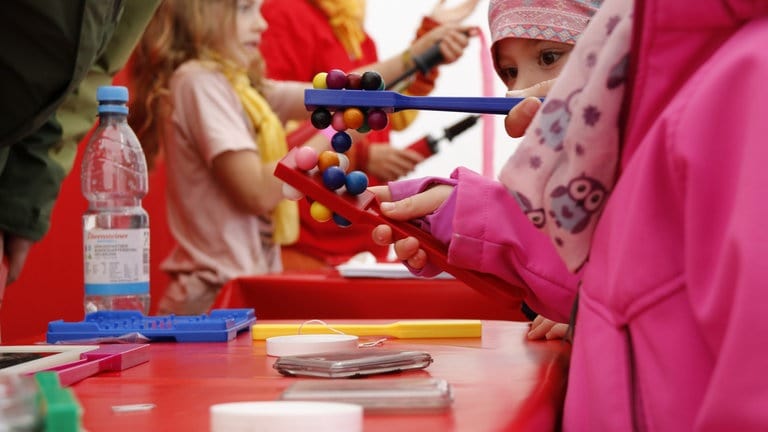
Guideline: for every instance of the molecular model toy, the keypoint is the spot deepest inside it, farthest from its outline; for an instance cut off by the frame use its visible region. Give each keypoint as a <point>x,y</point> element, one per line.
<point>333,165</point>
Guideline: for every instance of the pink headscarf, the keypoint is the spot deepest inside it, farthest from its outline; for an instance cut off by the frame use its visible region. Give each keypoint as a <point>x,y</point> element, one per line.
<point>553,20</point>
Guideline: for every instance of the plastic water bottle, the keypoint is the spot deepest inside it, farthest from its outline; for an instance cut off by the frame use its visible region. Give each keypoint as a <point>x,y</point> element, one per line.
<point>115,227</point>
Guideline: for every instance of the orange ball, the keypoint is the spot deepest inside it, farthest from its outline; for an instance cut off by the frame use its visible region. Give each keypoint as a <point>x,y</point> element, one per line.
<point>320,212</point>
<point>353,118</point>
<point>327,159</point>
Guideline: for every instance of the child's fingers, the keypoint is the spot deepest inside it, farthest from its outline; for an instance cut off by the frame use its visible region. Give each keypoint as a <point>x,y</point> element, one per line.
<point>381,192</point>
<point>520,116</point>
<point>407,249</point>
<point>382,235</point>
<point>558,331</point>
<point>418,205</point>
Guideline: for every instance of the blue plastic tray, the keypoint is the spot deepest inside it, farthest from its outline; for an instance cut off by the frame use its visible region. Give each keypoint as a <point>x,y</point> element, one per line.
<point>220,325</point>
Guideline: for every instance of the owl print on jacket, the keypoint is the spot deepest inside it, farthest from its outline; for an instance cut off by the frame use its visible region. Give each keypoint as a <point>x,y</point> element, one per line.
<point>536,215</point>
<point>553,122</point>
<point>573,204</point>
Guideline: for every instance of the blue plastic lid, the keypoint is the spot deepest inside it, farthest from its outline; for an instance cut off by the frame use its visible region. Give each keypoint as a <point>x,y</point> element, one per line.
<point>112,99</point>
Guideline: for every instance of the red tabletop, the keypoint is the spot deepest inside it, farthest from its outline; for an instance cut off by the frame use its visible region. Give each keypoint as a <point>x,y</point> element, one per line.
<point>329,295</point>
<point>500,382</point>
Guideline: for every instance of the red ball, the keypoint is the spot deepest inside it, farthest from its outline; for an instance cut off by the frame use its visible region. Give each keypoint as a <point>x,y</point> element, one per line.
<point>377,119</point>
<point>354,81</point>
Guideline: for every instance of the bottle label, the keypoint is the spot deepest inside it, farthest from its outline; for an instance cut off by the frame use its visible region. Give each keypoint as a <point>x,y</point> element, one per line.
<point>116,261</point>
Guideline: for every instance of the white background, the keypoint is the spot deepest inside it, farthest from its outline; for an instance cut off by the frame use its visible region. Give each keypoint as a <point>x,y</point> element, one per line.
<point>392,24</point>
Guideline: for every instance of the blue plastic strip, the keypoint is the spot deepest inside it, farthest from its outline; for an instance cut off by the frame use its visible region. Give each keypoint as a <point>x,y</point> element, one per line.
<point>220,325</point>
<point>133,288</point>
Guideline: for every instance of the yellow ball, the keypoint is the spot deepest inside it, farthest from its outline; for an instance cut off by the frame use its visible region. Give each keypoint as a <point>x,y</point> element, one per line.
<point>320,212</point>
<point>318,81</point>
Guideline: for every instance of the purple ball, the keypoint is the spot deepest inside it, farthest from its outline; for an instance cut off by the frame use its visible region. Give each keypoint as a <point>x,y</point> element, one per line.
<point>340,221</point>
<point>356,182</point>
<point>377,119</point>
<point>341,142</point>
<point>336,79</point>
<point>334,177</point>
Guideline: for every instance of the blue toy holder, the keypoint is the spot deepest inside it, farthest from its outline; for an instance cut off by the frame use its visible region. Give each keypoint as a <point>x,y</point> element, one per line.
<point>220,325</point>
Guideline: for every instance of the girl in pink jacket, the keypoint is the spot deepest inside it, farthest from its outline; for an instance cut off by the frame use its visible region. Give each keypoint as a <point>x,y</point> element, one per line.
<point>646,169</point>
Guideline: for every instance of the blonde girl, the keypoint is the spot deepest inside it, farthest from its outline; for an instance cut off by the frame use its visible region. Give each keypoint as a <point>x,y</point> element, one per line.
<point>199,95</point>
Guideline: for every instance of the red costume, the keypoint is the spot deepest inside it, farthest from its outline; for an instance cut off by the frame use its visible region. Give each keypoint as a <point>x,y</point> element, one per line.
<point>298,44</point>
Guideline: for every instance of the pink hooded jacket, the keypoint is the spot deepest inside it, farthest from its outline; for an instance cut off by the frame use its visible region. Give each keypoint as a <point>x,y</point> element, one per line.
<point>671,323</point>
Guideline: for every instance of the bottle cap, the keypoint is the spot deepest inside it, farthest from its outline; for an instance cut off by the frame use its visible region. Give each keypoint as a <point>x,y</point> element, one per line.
<point>112,94</point>
<point>112,99</point>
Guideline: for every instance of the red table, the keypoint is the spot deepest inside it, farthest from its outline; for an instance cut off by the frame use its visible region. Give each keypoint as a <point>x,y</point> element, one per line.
<point>329,295</point>
<point>500,382</point>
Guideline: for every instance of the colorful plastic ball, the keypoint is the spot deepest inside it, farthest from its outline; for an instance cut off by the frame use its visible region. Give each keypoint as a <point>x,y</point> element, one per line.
<point>343,162</point>
<point>337,121</point>
<point>327,159</point>
<point>334,177</point>
<point>336,79</point>
<point>356,182</point>
<point>306,158</point>
<point>371,80</point>
<point>319,80</point>
<point>341,142</point>
<point>321,118</point>
<point>353,118</point>
<point>377,119</point>
<point>291,193</point>
<point>354,81</point>
<point>364,128</point>
<point>340,221</point>
<point>320,212</point>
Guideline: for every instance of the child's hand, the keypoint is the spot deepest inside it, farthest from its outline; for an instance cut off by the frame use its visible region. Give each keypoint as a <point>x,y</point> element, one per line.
<point>446,15</point>
<point>453,41</point>
<point>521,115</point>
<point>389,163</point>
<point>413,207</point>
<point>547,329</point>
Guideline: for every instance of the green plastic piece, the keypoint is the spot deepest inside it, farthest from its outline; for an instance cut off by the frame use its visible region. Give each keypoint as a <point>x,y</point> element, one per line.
<point>61,411</point>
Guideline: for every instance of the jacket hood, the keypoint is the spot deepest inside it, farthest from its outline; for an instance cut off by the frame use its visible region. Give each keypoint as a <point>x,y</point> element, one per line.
<point>671,39</point>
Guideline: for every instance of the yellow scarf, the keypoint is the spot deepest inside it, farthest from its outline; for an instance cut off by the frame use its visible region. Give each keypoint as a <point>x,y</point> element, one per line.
<point>346,19</point>
<point>271,143</point>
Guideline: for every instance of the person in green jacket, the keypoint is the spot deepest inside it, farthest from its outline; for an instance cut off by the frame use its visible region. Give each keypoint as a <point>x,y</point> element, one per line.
<point>53,56</point>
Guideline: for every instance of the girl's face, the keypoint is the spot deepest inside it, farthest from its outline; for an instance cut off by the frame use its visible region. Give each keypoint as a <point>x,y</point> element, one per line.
<point>250,25</point>
<point>523,63</point>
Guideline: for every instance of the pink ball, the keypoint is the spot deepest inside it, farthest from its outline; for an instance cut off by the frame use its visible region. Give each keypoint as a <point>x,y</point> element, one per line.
<point>337,121</point>
<point>306,158</point>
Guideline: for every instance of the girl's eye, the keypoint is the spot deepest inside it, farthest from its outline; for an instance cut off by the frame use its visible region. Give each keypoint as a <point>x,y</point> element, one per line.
<point>510,72</point>
<point>548,58</point>
<point>244,6</point>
